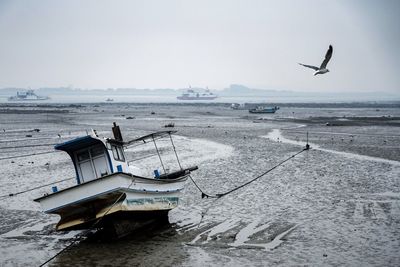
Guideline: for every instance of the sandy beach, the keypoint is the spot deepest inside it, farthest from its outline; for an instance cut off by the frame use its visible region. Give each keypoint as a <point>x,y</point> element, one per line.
<point>335,204</point>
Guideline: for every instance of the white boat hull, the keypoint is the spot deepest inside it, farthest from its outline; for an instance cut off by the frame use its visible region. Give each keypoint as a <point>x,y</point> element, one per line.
<point>118,194</point>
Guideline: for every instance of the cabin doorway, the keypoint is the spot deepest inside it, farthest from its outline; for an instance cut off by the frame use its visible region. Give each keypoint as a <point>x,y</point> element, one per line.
<point>92,163</point>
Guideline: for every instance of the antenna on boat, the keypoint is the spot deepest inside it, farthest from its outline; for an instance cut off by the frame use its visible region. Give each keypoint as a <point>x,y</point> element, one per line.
<point>117,132</point>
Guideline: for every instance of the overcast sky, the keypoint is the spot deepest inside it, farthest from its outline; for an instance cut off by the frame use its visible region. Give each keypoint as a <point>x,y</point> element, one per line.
<point>171,44</point>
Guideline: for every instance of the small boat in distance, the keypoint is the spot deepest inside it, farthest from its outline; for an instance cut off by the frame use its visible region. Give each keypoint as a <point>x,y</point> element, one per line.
<point>191,94</point>
<point>237,106</point>
<point>28,95</point>
<point>109,100</point>
<point>111,193</point>
<point>261,109</point>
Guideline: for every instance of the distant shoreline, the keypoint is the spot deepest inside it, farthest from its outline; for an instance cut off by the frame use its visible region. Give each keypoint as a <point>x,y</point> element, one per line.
<point>366,104</point>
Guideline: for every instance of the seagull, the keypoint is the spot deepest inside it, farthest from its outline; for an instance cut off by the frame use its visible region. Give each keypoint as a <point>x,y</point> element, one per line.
<point>322,69</point>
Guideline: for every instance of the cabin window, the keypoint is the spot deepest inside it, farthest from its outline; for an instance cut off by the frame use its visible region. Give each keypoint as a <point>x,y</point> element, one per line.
<point>92,163</point>
<point>83,155</point>
<point>118,153</point>
<point>96,151</point>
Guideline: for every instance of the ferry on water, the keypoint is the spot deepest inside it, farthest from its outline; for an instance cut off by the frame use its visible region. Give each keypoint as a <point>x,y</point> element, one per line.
<point>191,94</point>
<point>28,95</point>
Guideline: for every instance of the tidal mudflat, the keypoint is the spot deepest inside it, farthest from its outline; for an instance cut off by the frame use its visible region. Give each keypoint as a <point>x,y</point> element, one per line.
<point>336,204</point>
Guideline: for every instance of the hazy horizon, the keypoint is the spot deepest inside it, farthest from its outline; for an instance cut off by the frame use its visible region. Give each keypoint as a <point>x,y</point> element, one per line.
<point>225,89</point>
<point>174,44</point>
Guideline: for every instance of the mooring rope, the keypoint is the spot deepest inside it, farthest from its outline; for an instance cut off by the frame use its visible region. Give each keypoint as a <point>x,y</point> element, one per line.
<point>29,155</point>
<point>218,196</point>
<point>203,194</point>
<point>34,188</point>
<point>26,146</point>
<point>80,236</point>
<point>141,158</point>
<point>158,153</point>
<point>133,145</point>
<point>176,155</point>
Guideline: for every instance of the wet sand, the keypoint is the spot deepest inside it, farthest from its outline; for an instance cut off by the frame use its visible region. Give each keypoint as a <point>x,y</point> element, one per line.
<point>336,204</point>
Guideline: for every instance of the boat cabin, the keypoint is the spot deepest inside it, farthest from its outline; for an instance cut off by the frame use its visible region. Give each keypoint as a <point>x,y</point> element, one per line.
<point>94,157</point>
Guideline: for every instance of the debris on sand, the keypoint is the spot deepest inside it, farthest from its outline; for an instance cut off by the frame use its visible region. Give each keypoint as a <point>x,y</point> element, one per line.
<point>169,125</point>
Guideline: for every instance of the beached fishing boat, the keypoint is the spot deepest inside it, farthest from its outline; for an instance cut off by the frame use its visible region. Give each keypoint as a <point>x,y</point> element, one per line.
<point>108,190</point>
<point>261,109</point>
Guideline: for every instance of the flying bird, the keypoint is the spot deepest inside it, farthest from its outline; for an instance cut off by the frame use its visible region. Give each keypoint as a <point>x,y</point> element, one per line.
<point>322,69</point>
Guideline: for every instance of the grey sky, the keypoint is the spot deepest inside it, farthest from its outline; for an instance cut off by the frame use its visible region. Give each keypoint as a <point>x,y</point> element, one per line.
<point>171,44</point>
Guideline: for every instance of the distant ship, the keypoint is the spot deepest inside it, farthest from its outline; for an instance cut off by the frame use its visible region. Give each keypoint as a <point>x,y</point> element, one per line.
<point>261,109</point>
<point>109,100</point>
<point>190,94</point>
<point>237,106</point>
<point>27,96</point>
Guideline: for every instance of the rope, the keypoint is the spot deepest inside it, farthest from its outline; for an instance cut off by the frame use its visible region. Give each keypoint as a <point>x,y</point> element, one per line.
<point>140,144</point>
<point>24,146</point>
<point>203,194</point>
<point>37,138</point>
<point>218,196</point>
<point>28,155</point>
<point>144,157</point>
<point>176,155</point>
<point>155,154</point>
<point>77,238</point>
<point>37,187</point>
<point>159,156</point>
<point>82,235</point>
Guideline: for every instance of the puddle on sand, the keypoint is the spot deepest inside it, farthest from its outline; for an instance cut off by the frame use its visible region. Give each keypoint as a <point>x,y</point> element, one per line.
<point>276,135</point>
<point>253,235</point>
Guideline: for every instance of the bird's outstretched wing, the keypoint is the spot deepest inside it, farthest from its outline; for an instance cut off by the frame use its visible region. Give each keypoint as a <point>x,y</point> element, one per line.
<point>309,66</point>
<point>327,57</point>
